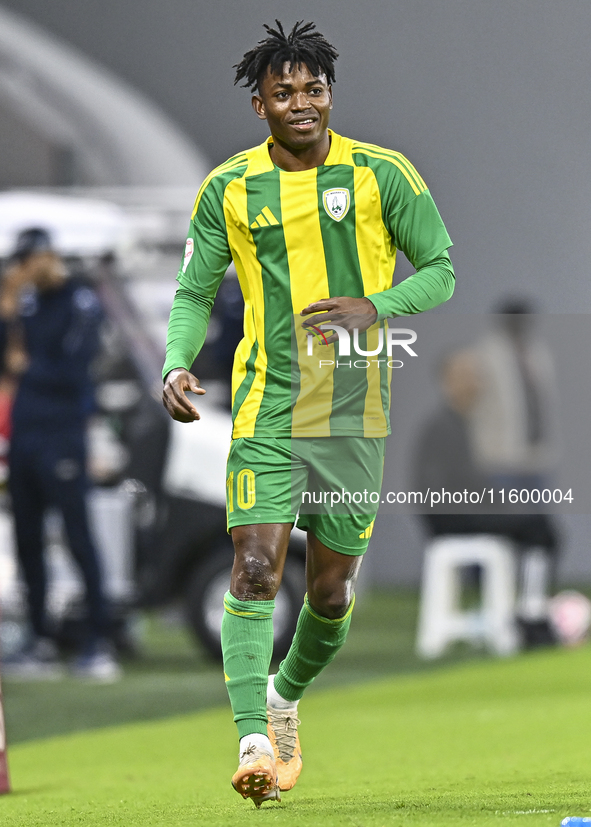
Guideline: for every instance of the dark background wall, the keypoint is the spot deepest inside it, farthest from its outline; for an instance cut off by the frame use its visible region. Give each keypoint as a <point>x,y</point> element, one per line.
<point>490,101</point>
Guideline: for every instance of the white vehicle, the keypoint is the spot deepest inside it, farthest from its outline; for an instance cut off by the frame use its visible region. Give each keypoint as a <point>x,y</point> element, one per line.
<point>159,510</point>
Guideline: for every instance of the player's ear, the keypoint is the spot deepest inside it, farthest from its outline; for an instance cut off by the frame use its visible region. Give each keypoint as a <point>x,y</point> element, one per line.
<point>259,107</point>
<point>330,95</point>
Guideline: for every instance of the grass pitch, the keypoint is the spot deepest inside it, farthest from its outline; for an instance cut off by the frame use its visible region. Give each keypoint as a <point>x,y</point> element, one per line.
<point>487,743</point>
<point>174,676</point>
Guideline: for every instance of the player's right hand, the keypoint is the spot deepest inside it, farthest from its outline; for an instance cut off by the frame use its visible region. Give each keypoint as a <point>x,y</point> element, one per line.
<point>174,398</point>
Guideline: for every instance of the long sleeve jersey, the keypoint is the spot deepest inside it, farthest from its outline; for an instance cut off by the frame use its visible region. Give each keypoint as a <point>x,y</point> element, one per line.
<point>295,238</point>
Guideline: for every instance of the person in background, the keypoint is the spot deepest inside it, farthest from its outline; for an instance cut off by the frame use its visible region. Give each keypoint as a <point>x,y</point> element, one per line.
<point>445,459</point>
<point>7,391</point>
<point>443,455</point>
<point>51,322</point>
<point>514,420</point>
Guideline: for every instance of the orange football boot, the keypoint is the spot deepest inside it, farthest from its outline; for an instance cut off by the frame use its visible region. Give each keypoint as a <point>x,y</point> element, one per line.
<point>282,730</point>
<point>256,777</point>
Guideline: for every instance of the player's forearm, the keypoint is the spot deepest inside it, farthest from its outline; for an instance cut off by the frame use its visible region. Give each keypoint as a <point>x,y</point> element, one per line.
<point>430,286</point>
<point>186,328</point>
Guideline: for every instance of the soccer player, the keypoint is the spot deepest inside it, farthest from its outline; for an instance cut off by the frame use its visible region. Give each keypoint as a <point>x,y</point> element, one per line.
<point>312,221</point>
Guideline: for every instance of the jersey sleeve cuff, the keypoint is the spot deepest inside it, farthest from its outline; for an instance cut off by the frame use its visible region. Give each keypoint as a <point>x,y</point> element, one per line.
<point>378,302</point>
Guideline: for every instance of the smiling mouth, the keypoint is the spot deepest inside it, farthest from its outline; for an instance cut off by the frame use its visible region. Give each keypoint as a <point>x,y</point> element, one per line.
<point>303,125</point>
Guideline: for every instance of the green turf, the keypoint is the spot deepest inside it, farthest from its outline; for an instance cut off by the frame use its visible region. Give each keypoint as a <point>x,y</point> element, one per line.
<point>485,743</point>
<point>173,675</point>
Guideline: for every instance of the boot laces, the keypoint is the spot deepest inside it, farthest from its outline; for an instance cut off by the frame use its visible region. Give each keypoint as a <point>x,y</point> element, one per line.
<point>285,726</point>
<point>249,752</point>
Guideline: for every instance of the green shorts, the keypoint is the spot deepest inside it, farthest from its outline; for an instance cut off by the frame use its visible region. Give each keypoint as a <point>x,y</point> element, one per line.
<point>331,485</point>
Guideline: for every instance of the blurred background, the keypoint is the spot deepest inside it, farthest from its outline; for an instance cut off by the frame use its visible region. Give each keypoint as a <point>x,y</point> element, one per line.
<point>111,115</point>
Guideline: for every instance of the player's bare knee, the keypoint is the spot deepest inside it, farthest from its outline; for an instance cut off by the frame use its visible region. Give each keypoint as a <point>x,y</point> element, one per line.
<point>329,600</point>
<point>254,578</point>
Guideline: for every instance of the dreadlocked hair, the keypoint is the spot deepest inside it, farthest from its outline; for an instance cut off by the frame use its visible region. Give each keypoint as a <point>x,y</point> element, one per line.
<point>302,45</point>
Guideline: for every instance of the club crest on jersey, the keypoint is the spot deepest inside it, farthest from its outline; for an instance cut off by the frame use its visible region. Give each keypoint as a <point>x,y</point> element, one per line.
<point>336,203</point>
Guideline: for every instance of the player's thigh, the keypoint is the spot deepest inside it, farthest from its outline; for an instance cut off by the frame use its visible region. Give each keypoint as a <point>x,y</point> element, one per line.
<point>345,534</point>
<point>346,475</point>
<point>262,482</point>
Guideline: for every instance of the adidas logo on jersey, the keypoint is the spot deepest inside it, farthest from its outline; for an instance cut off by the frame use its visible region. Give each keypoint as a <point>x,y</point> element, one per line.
<point>264,219</point>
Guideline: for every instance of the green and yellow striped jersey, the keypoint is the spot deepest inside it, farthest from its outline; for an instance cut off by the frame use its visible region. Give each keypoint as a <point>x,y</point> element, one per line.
<point>295,238</point>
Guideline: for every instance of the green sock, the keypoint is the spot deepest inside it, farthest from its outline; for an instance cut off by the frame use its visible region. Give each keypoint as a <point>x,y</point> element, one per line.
<point>247,646</point>
<point>315,643</point>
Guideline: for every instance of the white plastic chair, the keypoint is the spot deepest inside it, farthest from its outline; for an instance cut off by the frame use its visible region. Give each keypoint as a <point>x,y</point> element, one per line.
<point>441,619</point>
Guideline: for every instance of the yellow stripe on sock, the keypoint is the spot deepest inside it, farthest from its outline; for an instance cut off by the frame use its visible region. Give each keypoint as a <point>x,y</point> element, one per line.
<point>328,619</point>
<point>238,613</point>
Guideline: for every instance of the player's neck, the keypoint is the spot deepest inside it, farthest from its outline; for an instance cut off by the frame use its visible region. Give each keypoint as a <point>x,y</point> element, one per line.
<point>295,160</point>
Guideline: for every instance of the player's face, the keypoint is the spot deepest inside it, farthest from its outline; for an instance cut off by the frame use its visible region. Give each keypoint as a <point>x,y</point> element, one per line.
<point>296,105</point>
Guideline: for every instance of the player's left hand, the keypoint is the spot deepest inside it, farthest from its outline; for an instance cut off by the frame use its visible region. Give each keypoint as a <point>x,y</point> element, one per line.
<point>343,311</point>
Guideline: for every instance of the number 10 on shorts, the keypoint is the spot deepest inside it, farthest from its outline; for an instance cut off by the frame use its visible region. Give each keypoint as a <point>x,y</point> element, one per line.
<point>245,490</point>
